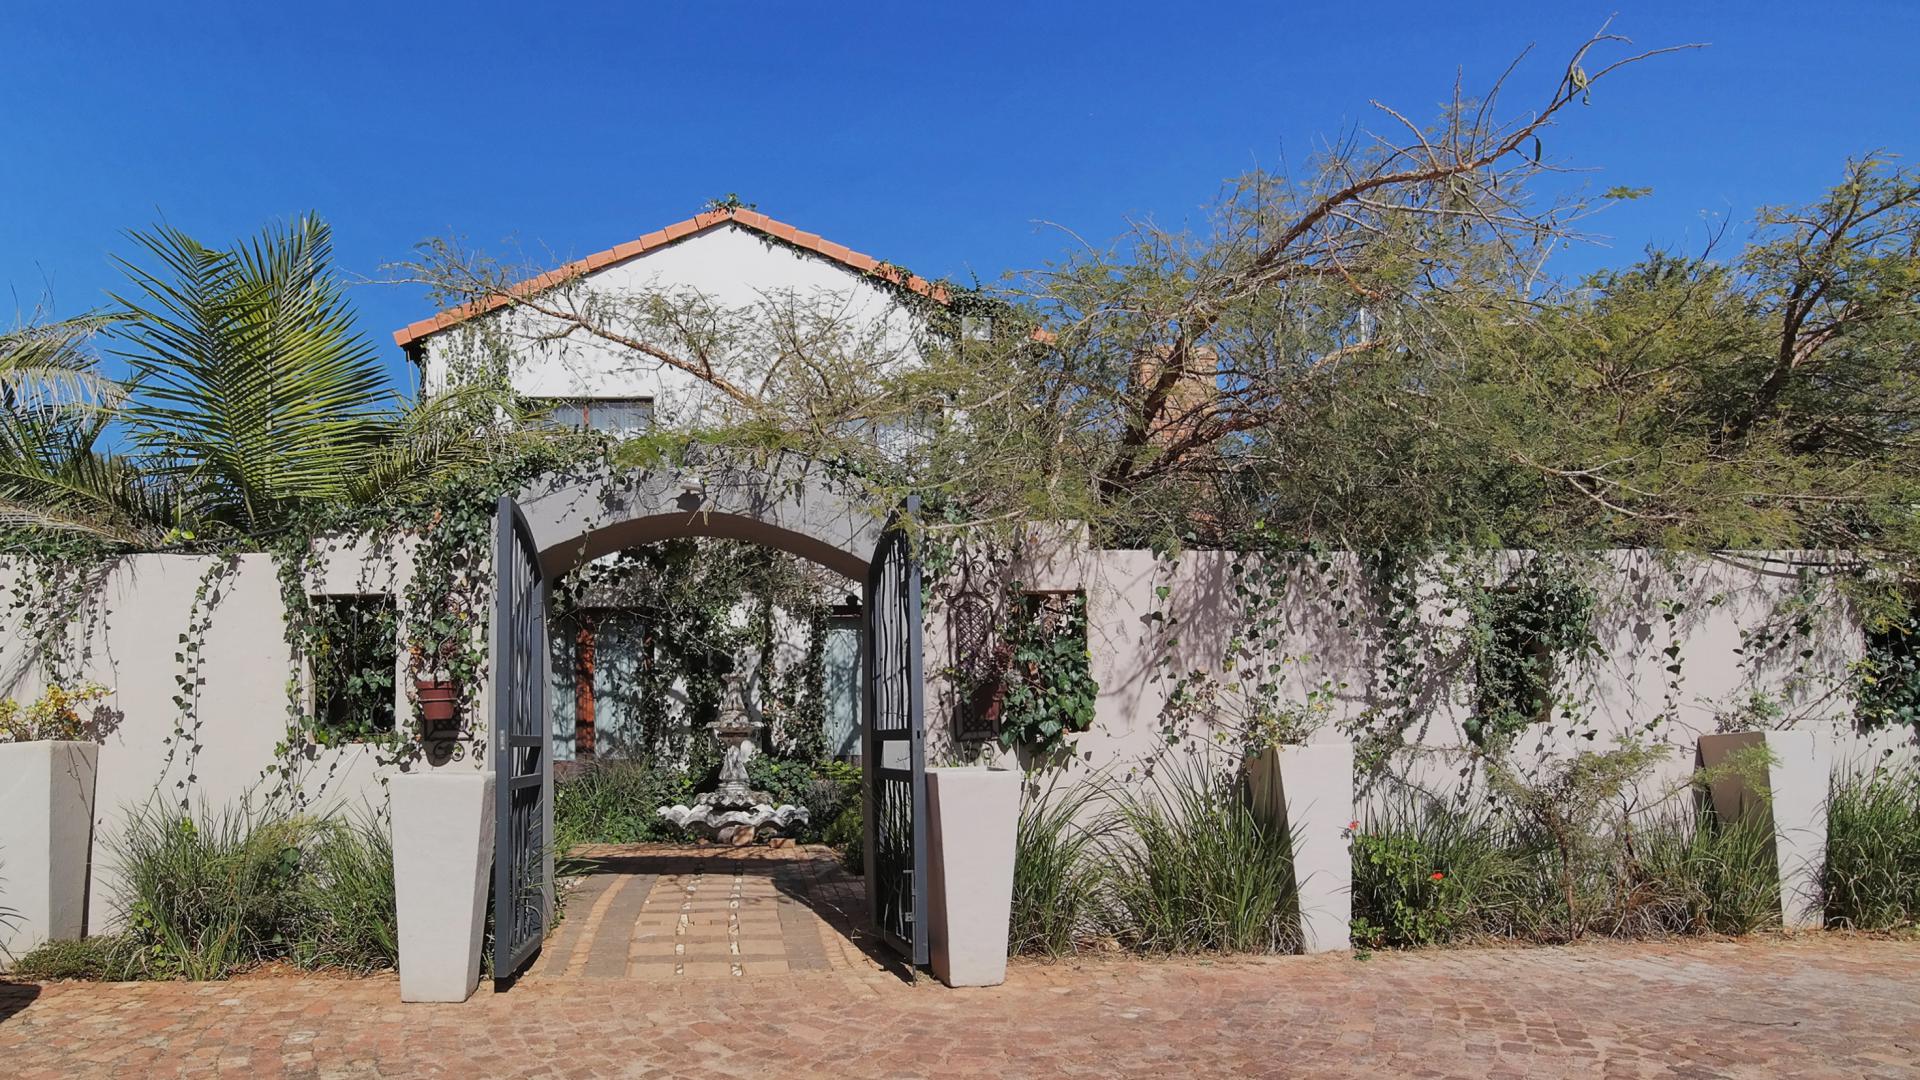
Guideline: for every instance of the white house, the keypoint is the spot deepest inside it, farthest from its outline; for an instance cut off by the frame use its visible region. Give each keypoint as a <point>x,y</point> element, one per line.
<point>733,270</point>
<point>608,342</point>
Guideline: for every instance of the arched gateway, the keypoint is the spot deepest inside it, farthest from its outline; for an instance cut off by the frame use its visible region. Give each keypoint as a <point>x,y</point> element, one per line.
<point>563,521</point>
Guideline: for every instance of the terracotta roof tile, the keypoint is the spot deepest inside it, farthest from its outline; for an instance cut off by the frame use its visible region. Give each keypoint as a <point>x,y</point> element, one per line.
<point>751,219</point>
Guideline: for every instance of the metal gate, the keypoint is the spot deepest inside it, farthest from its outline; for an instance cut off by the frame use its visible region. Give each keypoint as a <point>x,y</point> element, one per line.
<point>895,743</point>
<point>521,769</point>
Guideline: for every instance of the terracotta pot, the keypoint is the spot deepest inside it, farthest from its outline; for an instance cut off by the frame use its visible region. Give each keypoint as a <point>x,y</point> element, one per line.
<point>439,701</point>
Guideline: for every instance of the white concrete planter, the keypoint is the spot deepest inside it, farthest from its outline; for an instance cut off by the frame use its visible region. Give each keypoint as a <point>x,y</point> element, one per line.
<point>1309,790</point>
<point>46,835</point>
<point>973,815</point>
<point>442,856</point>
<point>1794,804</point>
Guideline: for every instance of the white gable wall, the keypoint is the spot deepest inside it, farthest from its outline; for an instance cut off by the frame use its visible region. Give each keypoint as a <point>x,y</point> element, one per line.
<point>728,264</point>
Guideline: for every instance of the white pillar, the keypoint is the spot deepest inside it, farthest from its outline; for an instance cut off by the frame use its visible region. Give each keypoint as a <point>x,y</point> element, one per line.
<point>1309,790</point>
<point>1798,772</point>
<point>442,858</point>
<point>46,836</point>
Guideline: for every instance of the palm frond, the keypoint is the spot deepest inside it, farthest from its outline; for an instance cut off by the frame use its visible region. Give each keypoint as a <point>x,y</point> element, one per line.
<point>461,426</point>
<point>251,389</point>
<point>46,367</point>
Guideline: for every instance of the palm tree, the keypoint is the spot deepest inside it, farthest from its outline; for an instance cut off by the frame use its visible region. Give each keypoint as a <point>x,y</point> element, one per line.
<point>250,400</point>
<point>54,408</point>
<point>250,393</point>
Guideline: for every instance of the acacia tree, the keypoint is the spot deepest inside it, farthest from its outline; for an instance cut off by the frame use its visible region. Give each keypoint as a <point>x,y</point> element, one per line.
<point>1158,362</point>
<point>1371,351</point>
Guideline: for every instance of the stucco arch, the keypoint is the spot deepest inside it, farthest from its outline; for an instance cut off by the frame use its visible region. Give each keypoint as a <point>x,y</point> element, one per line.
<point>790,503</point>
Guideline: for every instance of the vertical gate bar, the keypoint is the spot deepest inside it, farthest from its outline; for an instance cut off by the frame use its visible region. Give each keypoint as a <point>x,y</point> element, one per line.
<point>539,723</point>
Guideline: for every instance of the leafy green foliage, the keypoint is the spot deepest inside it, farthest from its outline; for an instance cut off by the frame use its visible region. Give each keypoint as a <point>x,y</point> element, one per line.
<point>1872,879</point>
<point>251,393</point>
<point>1194,869</point>
<point>1051,692</point>
<point>1059,881</point>
<point>354,654</point>
<point>826,789</point>
<point>846,834</point>
<point>1426,874</point>
<point>673,610</point>
<point>1887,678</point>
<point>212,893</point>
<point>347,918</point>
<point>1524,632</point>
<point>55,714</point>
<point>101,957</point>
<point>615,802</point>
<point>1691,872</point>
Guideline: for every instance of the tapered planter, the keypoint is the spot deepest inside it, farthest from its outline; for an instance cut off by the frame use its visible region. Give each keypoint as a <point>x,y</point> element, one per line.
<point>46,836</point>
<point>972,817</point>
<point>442,853</point>
<point>1788,791</point>
<point>1308,790</point>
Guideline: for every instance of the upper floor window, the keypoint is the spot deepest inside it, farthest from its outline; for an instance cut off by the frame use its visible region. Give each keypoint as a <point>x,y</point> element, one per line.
<point>618,417</point>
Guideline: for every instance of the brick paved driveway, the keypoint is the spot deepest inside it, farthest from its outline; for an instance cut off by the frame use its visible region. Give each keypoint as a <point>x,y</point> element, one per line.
<point>1824,1007</point>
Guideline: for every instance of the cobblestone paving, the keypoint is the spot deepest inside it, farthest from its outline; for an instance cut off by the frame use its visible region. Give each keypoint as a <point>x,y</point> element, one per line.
<point>660,912</point>
<point>1772,1008</point>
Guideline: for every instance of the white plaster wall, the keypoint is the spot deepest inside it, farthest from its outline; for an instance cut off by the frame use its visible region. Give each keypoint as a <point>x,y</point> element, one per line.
<point>144,604</point>
<point>220,755</point>
<point>731,267</point>
<point>1141,645</point>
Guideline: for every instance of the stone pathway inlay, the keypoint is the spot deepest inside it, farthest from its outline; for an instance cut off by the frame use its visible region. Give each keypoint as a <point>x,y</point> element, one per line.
<point>663,912</point>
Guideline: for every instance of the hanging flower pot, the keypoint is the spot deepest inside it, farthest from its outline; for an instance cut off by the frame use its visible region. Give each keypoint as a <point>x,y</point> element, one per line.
<point>439,702</point>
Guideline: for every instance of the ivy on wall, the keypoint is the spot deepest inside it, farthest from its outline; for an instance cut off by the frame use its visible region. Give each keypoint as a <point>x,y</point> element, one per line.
<point>1050,689</point>
<point>1887,677</point>
<point>1523,635</point>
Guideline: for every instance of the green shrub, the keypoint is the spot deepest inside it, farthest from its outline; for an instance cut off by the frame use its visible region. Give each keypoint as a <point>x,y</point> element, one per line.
<point>825,789</point>
<point>1193,868</point>
<point>208,894</point>
<point>1059,878</point>
<point>1427,874</point>
<point>1431,873</point>
<point>847,832</point>
<point>103,958</point>
<point>617,802</point>
<point>346,903</point>
<point>1872,879</point>
<point>211,893</point>
<point>1690,872</point>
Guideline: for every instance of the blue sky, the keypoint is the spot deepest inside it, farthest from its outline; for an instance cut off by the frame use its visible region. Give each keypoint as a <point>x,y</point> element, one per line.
<point>937,137</point>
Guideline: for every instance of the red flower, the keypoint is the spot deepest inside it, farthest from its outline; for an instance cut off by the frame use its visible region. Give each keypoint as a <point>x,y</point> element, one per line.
<point>1436,876</point>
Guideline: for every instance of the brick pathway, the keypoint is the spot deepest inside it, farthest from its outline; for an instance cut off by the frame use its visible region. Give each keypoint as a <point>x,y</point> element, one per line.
<point>664,912</point>
<point>1820,1007</point>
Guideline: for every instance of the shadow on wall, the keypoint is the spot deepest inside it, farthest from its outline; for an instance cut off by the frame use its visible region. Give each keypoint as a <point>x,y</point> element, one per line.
<point>1394,654</point>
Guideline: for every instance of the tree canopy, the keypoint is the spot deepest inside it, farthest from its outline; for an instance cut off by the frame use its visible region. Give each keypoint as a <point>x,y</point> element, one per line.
<point>1374,350</point>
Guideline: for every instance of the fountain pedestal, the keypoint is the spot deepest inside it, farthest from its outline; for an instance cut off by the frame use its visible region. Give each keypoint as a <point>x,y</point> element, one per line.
<point>734,813</point>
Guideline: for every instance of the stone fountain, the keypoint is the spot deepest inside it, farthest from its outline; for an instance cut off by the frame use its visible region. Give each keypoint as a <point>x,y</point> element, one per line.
<point>734,813</point>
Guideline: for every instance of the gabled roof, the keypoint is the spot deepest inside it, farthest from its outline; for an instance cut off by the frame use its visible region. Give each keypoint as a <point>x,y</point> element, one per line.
<point>750,219</point>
